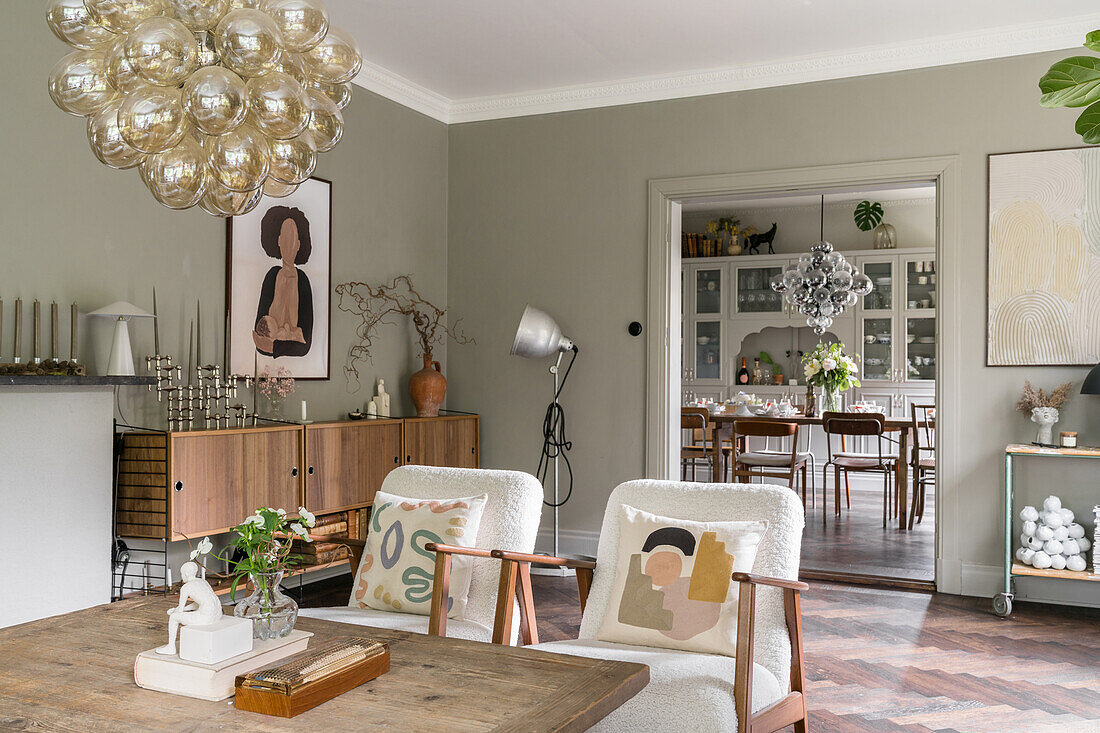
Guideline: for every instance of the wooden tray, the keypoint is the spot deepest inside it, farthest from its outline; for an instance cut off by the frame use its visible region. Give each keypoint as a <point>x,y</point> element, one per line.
<point>311,694</point>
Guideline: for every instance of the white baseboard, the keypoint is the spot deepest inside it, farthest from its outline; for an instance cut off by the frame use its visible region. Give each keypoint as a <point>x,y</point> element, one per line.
<point>570,541</point>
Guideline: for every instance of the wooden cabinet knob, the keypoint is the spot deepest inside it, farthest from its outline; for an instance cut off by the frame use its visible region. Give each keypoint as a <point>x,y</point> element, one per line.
<point>397,459</point>
<point>294,472</point>
<point>310,470</point>
<point>178,486</point>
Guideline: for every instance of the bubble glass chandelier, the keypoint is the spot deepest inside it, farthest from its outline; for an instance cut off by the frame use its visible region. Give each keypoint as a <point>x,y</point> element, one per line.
<point>822,284</point>
<point>216,103</point>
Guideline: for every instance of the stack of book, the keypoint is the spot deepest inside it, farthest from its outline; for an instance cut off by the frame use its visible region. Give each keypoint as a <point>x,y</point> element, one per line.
<point>324,549</point>
<point>699,245</point>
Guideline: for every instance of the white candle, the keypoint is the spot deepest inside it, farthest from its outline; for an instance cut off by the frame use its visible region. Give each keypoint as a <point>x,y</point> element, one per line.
<point>303,410</point>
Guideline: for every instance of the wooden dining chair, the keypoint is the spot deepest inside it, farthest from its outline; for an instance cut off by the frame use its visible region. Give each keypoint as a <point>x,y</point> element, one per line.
<point>703,445</point>
<point>923,459</point>
<point>855,425</point>
<point>768,463</point>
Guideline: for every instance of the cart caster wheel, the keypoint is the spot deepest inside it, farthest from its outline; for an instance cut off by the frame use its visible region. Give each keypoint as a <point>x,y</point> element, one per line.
<point>1002,604</point>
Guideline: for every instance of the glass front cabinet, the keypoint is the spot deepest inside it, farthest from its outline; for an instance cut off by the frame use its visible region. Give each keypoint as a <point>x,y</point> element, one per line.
<point>753,296</point>
<point>898,318</point>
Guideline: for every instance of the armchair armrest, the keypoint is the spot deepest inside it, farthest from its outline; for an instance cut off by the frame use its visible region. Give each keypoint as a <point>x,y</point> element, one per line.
<point>563,562</point>
<point>791,709</point>
<point>516,570</point>
<point>441,582</point>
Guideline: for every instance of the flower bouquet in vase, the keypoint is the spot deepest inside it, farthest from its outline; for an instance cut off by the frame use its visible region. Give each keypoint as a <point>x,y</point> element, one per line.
<point>264,552</point>
<point>276,388</point>
<point>829,368</point>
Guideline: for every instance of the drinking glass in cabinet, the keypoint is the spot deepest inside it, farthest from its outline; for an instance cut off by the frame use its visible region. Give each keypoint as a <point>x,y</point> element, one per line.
<point>708,350</point>
<point>754,293</point>
<point>920,348</point>
<point>920,284</point>
<point>708,291</point>
<point>877,348</point>
<point>882,275</point>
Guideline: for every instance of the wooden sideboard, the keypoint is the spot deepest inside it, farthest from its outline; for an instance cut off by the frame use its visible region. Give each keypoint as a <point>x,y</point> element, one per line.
<point>179,485</point>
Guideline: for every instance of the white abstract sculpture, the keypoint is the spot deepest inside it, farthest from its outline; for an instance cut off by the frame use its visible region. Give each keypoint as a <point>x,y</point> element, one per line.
<point>1044,417</point>
<point>198,606</point>
<point>382,399</point>
<point>1051,538</point>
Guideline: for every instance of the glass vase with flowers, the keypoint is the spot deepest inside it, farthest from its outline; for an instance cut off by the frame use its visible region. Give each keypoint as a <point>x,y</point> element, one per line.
<point>829,368</point>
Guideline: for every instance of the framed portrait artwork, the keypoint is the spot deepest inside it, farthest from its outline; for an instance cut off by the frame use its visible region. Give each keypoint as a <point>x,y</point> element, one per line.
<point>278,280</point>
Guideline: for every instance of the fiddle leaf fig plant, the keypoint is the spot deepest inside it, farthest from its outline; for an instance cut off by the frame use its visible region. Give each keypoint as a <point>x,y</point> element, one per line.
<point>1075,82</point>
<point>867,215</point>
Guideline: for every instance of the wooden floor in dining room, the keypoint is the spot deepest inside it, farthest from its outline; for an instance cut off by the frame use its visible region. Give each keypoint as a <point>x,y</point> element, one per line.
<point>881,660</point>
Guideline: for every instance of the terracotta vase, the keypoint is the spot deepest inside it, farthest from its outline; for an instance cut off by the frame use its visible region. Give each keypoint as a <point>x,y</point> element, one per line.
<point>427,388</point>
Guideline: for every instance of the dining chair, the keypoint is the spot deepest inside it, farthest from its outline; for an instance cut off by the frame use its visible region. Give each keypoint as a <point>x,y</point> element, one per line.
<point>510,520</point>
<point>767,463</point>
<point>858,425</point>
<point>760,689</point>
<point>705,442</point>
<point>924,466</point>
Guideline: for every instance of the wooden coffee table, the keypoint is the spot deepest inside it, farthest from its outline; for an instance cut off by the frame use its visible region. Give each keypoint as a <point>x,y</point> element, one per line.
<point>75,672</point>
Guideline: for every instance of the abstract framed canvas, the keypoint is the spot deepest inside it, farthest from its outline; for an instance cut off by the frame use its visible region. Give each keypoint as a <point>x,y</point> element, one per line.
<point>278,280</point>
<point>1044,258</point>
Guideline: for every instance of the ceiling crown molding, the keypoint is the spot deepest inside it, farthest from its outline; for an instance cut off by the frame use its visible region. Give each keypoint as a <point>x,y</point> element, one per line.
<point>953,49</point>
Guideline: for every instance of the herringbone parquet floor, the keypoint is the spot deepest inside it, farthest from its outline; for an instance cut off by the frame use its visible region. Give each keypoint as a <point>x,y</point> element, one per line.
<point>897,661</point>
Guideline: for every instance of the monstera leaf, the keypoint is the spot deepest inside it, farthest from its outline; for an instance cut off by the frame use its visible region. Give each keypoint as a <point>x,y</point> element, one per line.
<point>868,215</point>
<point>1072,82</point>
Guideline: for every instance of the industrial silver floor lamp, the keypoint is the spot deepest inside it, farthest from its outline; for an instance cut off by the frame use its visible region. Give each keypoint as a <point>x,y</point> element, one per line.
<point>538,337</point>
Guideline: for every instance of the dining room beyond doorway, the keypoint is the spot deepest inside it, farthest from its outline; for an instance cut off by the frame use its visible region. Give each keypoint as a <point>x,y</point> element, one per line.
<point>865,466</point>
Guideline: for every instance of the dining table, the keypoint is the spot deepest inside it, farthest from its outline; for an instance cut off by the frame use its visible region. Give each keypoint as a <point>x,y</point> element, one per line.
<point>723,420</point>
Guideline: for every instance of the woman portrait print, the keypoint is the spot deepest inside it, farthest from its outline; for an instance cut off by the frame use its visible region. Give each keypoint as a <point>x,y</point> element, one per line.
<point>284,318</point>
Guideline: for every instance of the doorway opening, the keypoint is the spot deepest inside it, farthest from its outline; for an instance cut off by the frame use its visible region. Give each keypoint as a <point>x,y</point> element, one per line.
<point>732,339</point>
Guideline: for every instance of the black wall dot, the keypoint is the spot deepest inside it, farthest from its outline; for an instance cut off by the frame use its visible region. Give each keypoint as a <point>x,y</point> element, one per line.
<point>634,328</point>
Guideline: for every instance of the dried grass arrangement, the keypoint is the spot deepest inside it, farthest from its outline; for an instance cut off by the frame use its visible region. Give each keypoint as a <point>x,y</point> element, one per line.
<point>1032,398</point>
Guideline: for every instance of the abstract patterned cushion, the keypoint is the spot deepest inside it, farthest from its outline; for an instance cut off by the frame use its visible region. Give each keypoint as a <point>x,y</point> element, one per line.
<point>672,585</point>
<point>396,572</point>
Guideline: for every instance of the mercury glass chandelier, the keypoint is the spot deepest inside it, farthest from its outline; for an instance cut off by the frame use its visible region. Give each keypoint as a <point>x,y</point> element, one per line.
<point>215,102</point>
<point>823,284</point>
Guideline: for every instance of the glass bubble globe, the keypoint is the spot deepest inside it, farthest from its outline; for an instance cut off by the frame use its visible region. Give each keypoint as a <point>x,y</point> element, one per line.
<point>861,284</point>
<point>778,284</point>
<point>326,123</point>
<point>248,42</point>
<point>177,177</point>
<point>78,83</point>
<point>71,22</point>
<point>106,139</point>
<point>200,15</point>
<point>335,60</point>
<point>162,51</point>
<point>302,23</point>
<point>277,190</point>
<point>151,119</point>
<point>221,201</point>
<point>841,279</point>
<point>280,106</point>
<point>215,100</point>
<point>291,65</point>
<point>292,161</point>
<point>120,16</point>
<point>120,74</point>
<point>340,94</point>
<point>816,278</point>
<point>239,159</point>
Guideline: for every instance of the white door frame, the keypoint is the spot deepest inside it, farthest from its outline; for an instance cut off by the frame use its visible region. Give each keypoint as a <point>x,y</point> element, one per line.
<point>663,365</point>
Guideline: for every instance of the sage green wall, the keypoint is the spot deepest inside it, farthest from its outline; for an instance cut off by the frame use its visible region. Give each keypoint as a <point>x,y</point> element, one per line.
<point>552,210</point>
<point>75,230</point>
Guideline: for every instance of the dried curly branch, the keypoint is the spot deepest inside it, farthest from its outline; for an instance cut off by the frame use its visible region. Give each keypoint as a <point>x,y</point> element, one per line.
<point>1032,398</point>
<point>374,305</point>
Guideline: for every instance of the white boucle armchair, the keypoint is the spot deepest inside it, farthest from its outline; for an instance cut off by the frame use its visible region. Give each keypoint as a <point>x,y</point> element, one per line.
<point>762,689</point>
<point>510,520</point>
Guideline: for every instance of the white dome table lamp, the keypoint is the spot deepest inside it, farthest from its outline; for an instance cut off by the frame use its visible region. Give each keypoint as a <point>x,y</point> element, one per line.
<point>121,363</point>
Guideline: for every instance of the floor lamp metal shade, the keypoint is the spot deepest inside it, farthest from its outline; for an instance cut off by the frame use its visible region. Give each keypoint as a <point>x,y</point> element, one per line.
<point>1091,385</point>
<point>121,363</point>
<point>539,336</point>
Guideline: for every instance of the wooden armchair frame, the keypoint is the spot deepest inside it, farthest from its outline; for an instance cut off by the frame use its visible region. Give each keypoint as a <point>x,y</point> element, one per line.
<point>515,581</point>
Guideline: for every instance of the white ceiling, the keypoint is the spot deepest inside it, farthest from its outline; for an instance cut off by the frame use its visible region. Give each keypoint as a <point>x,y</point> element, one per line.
<point>462,60</point>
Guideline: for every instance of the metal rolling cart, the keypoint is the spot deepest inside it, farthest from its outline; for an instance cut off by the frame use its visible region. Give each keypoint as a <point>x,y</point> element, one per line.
<point>1002,602</point>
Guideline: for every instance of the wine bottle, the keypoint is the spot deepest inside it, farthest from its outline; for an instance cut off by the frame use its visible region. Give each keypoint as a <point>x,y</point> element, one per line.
<point>743,373</point>
<point>757,375</point>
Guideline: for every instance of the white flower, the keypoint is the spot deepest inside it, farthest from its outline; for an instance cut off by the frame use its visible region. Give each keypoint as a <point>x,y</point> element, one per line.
<point>276,544</point>
<point>254,519</point>
<point>203,548</point>
<point>281,512</point>
<point>299,530</point>
<point>828,364</point>
<point>307,516</point>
